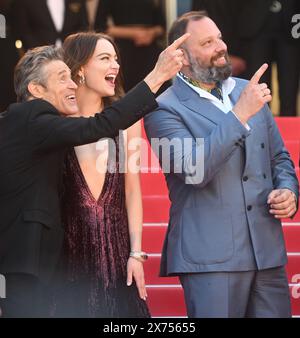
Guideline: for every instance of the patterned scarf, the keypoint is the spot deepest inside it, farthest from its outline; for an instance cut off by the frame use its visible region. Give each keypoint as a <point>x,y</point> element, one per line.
<point>216,91</point>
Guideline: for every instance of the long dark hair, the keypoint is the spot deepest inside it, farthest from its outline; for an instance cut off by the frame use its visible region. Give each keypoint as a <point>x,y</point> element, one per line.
<point>78,50</point>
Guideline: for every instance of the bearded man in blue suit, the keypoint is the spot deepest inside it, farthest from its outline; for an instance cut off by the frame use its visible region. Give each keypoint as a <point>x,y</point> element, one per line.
<point>224,239</point>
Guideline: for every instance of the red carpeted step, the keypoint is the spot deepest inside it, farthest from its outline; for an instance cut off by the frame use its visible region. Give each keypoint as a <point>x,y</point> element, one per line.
<point>153,237</point>
<point>292,238</point>
<point>151,268</point>
<point>166,302</point>
<point>289,127</point>
<point>293,268</point>
<point>156,209</point>
<point>293,148</point>
<point>153,184</point>
<point>296,219</point>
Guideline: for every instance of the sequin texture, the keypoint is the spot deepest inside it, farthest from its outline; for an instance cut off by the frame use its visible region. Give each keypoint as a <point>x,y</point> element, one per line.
<point>96,247</point>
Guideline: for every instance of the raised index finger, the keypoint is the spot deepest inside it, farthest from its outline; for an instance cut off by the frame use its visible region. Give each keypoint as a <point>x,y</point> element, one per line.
<point>256,77</point>
<point>178,42</point>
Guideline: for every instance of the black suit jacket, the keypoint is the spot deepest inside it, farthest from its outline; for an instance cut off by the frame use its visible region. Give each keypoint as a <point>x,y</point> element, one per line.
<point>253,16</point>
<point>8,59</point>
<point>33,140</point>
<point>246,19</point>
<point>33,23</point>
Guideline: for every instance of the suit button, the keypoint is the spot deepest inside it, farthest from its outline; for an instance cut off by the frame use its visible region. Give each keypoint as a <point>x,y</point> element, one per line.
<point>265,176</point>
<point>262,145</point>
<point>237,144</point>
<point>249,207</point>
<point>245,178</point>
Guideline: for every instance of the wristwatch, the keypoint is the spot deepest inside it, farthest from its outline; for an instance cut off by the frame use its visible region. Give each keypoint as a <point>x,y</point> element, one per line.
<point>141,256</point>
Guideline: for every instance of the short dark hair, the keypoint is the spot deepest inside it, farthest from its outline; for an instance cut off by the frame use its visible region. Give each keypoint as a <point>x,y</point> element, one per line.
<point>30,68</point>
<point>179,26</point>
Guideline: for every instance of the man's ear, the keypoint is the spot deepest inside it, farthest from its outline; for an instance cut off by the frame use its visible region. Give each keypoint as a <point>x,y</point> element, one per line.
<point>36,90</point>
<point>185,61</point>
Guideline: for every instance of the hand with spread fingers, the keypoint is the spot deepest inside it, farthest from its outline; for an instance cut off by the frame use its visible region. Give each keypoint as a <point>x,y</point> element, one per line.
<point>283,203</point>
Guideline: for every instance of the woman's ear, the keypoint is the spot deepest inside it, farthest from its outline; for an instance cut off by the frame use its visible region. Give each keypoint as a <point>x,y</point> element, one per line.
<point>81,72</point>
<point>36,90</point>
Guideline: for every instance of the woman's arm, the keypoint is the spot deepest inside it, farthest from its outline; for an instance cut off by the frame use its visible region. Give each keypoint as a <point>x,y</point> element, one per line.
<point>134,205</point>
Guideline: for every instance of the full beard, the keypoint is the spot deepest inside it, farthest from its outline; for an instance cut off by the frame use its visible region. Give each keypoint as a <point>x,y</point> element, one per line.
<point>211,74</point>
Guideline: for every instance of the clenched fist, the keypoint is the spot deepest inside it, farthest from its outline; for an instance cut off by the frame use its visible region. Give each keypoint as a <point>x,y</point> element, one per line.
<point>283,203</point>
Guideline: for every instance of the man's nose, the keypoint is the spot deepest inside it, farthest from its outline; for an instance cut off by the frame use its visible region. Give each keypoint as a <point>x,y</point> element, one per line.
<point>72,85</point>
<point>221,46</point>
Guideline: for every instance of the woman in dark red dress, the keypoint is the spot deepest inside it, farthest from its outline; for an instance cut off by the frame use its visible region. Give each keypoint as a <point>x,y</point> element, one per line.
<point>101,202</point>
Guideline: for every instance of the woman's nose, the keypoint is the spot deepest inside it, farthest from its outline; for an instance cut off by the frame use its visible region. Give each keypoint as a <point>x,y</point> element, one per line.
<point>115,64</point>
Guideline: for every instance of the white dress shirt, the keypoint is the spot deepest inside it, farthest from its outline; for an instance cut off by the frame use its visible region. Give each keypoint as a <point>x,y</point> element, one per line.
<point>227,87</point>
<point>57,12</point>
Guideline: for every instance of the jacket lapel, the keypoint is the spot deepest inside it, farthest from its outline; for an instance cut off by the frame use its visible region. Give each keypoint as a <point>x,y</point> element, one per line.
<point>190,99</point>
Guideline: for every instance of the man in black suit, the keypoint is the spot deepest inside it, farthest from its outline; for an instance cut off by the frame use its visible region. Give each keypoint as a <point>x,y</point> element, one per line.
<point>8,59</point>
<point>265,32</point>
<point>33,140</point>
<point>43,22</point>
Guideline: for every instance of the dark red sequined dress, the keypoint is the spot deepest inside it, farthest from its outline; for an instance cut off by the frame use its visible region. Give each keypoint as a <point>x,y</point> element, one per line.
<point>96,248</point>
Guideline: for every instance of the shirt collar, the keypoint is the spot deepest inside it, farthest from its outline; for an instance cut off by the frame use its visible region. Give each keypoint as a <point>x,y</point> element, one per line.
<point>227,87</point>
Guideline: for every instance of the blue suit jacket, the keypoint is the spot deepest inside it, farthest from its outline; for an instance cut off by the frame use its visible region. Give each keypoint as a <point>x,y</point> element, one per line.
<point>219,218</point>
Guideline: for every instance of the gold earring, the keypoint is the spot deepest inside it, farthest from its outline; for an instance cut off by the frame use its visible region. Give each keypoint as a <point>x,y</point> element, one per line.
<point>82,79</point>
